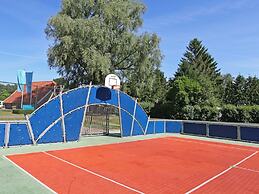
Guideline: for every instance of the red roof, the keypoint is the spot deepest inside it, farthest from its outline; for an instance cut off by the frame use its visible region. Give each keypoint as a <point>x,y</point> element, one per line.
<point>39,90</point>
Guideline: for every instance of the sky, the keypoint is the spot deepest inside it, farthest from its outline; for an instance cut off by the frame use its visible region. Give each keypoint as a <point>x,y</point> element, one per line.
<point>228,28</point>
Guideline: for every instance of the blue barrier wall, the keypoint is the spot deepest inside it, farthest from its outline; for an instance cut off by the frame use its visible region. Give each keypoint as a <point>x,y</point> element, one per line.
<point>249,133</point>
<point>2,134</point>
<point>173,126</point>
<point>223,131</point>
<point>19,135</point>
<point>159,126</point>
<point>194,128</point>
<point>151,127</point>
<point>235,131</point>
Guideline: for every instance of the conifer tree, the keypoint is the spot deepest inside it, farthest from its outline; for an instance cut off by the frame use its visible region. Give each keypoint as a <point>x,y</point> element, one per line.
<point>197,63</point>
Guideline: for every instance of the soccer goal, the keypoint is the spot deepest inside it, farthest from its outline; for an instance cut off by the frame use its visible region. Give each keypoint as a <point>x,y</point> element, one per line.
<point>101,120</point>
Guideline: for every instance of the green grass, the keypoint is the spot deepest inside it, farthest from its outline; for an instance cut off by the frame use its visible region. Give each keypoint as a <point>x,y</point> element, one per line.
<point>98,121</point>
<point>8,115</point>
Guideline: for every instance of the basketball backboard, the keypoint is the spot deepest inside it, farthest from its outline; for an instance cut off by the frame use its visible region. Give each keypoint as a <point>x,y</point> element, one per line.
<point>112,81</point>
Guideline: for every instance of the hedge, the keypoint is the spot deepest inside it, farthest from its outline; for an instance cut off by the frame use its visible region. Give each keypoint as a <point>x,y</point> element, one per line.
<point>227,113</point>
<point>19,111</point>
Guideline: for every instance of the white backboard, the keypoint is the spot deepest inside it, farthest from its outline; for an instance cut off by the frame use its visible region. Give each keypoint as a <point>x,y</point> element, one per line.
<point>112,80</point>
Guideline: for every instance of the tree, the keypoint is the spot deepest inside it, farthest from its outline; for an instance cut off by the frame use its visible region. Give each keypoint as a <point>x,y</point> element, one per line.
<point>184,92</point>
<point>227,92</point>
<point>93,38</point>
<point>239,90</point>
<point>252,90</point>
<point>150,92</point>
<point>197,63</point>
<point>6,90</point>
<point>4,94</point>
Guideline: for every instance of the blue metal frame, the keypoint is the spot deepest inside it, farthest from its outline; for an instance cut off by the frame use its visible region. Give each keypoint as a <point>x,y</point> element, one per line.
<point>61,119</point>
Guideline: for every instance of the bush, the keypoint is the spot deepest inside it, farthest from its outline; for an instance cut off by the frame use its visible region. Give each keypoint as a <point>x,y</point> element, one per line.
<point>188,113</point>
<point>210,113</point>
<point>254,114</point>
<point>229,113</point>
<point>244,114</point>
<point>163,111</point>
<point>19,111</point>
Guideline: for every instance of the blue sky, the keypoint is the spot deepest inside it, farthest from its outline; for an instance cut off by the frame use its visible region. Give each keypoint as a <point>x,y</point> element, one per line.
<point>228,28</point>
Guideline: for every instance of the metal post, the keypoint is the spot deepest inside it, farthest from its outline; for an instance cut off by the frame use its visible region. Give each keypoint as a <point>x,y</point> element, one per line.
<point>22,97</point>
<point>238,132</point>
<point>207,130</point>
<point>154,127</point>
<point>86,106</point>
<point>7,133</point>
<point>133,118</point>
<point>182,127</point>
<point>147,125</point>
<point>30,129</point>
<point>119,105</point>
<point>62,117</point>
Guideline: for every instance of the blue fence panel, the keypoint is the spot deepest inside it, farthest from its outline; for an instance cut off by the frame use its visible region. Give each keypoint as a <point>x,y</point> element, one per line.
<point>249,133</point>
<point>127,103</point>
<point>94,100</point>
<point>159,127</point>
<point>74,99</point>
<point>137,130</point>
<point>73,123</point>
<point>45,116</point>
<point>141,116</point>
<point>223,131</point>
<point>194,128</point>
<point>2,134</point>
<point>173,127</point>
<point>126,121</point>
<point>151,127</point>
<point>19,135</point>
<point>53,135</point>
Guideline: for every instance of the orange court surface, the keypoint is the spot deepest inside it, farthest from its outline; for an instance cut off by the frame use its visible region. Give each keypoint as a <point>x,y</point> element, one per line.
<point>159,165</point>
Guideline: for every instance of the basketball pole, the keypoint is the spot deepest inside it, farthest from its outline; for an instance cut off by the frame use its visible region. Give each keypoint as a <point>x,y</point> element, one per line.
<point>22,97</point>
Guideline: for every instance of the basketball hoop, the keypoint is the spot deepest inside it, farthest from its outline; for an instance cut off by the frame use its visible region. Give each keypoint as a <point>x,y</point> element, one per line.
<point>112,81</point>
<point>116,87</point>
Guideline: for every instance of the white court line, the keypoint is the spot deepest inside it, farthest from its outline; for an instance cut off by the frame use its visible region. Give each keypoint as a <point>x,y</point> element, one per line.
<point>210,143</point>
<point>247,169</point>
<point>223,172</point>
<point>29,175</point>
<point>91,172</point>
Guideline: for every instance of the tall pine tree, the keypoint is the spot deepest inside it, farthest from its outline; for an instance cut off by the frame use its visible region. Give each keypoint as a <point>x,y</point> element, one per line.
<point>198,63</point>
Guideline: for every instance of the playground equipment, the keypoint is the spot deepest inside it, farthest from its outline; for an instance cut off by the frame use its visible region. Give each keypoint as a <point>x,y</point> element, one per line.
<point>62,118</point>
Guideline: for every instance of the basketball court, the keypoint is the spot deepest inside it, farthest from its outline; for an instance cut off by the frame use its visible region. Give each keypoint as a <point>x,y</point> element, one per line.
<point>158,165</point>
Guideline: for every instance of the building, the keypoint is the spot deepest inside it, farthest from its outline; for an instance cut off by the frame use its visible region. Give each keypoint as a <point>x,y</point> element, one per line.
<point>1,104</point>
<point>42,91</point>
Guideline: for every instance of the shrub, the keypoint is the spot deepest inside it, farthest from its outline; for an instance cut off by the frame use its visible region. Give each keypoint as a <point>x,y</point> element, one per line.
<point>244,114</point>
<point>164,111</point>
<point>188,113</point>
<point>210,113</point>
<point>254,114</point>
<point>19,111</point>
<point>229,113</point>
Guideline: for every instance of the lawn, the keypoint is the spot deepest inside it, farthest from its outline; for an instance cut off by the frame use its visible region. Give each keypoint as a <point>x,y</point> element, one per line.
<point>8,115</point>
